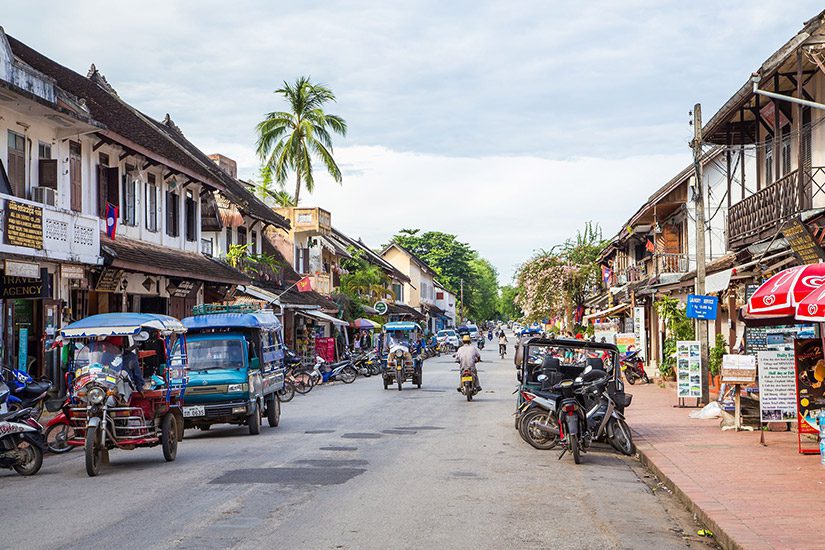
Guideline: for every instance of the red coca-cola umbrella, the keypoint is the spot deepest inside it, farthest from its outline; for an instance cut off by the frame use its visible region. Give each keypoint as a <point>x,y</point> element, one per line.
<point>780,295</point>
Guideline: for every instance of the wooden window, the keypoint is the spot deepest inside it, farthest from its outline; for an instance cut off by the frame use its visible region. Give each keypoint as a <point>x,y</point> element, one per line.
<point>242,236</point>
<point>254,240</point>
<point>151,203</point>
<point>17,164</point>
<point>75,177</point>
<point>228,239</point>
<point>768,161</point>
<point>172,214</point>
<point>108,190</point>
<point>191,227</point>
<point>44,150</point>
<point>128,210</point>
<point>785,150</point>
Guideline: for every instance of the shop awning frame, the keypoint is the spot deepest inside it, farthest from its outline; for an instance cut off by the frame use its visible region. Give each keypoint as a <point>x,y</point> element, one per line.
<point>607,312</point>
<point>324,317</point>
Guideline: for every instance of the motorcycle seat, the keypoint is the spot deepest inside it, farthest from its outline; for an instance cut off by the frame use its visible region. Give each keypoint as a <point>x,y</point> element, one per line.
<point>35,388</point>
<point>15,415</point>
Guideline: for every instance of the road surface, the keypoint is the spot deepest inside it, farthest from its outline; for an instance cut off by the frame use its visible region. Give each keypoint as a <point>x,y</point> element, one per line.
<point>352,466</point>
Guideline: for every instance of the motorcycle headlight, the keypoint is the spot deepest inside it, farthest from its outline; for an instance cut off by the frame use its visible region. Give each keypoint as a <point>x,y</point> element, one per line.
<point>96,395</point>
<point>399,353</point>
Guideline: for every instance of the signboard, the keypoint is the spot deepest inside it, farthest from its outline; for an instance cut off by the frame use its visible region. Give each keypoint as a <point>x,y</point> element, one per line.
<point>109,280</point>
<point>381,307</point>
<point>24,225</point>
<point>625,340</point>
<point>25,287</point>
<point>738,369</point>
<point>688,369</point>
<point>701,307</point>
<point>802,242</point>
<point>72,271</point>
<point>777,386</point>
<point>23,349</point>
<point>810,384</point>
<point>181,288</point>
<point>639,328</point>
<point>14,268</point>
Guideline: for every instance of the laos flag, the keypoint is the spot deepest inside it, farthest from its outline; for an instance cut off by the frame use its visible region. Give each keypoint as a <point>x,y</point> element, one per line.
<point>111,220</point>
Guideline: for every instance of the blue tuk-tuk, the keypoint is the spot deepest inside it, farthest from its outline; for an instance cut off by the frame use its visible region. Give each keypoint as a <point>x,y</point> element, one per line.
<point>402,340</point>
<point>236,359</point>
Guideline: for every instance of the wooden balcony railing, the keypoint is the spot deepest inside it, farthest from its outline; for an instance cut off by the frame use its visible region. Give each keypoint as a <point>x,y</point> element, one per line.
<point>672,262</point>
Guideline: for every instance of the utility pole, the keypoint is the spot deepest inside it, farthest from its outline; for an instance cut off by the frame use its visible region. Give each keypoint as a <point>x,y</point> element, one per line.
<point>701,325</point>
<point>461,304</point>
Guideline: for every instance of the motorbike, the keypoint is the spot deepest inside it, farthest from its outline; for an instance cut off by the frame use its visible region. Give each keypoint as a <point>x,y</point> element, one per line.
<point>26,392</point>
<point>481,342</point>
<point>585,412</point>
<point>367,364</point>
<point>21,438</point>
<point>490,335</point>
<point>468,384</point>
<point>342,370</point>
<point>633,367</point>
<point>59,430</point>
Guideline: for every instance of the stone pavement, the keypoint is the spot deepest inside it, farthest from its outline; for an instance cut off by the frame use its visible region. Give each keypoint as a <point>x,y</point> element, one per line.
<point>749,495</point>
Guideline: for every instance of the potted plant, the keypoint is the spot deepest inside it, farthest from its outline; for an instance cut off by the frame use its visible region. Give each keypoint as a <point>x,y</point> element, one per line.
<point>719,349</point>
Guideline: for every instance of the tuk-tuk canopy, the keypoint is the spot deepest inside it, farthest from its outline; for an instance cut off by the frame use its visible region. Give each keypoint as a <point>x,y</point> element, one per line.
<point>121,324</point>
<point>401,325</point>
<point>262,320</point>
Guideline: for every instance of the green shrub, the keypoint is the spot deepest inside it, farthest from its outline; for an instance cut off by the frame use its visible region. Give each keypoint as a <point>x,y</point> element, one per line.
<point>719,349</point>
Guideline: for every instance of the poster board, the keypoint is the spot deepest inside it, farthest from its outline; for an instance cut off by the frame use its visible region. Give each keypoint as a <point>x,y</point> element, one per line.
<point>738,369</point>
<point>810,384</point>
<point>777,386</point>
<point>624,340</point>
<point>688,369</point>
<point>639,327</point>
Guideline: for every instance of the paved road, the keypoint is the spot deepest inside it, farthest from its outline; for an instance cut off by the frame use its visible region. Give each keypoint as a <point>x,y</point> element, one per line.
<point>350,467</point>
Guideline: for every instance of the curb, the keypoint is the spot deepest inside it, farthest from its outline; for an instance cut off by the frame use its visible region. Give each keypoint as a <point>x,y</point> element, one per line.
<point>720,535</point>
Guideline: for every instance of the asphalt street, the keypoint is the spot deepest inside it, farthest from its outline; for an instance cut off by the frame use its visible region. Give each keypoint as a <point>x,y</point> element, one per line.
<point>352,466</point>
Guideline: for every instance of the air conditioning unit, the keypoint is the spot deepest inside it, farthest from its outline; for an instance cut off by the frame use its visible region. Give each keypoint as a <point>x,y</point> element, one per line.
<point>44,195</point>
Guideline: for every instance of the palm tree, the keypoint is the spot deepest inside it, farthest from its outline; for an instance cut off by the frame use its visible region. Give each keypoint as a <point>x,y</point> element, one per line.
<point>289,141</point>
<point>273,197</point>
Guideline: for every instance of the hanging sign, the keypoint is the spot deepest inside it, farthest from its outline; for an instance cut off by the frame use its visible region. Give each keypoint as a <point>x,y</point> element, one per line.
<point>802,242</point>
<point>181,288</point>
<point>381,307</point>
<point>777,386</point>
<point>810,384</point>
<point>688,369</point>
<point>13,268</point>
<point>109,280</point>
<point>24,225</point>
<point>701,307</point>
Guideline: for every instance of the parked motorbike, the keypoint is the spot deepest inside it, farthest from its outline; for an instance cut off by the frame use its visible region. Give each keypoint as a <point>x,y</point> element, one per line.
<point>21,438</point>
<point>633,367</point>
<point>59,430</point>
<point>26,392</point>
<point>342,370</point>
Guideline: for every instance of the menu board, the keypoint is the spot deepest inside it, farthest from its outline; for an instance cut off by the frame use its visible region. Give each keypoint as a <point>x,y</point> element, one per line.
<point>810,384</point>
<point>777,386</point>
<point>688,369</point>
<point>802,242</point>
<point>24,225</point>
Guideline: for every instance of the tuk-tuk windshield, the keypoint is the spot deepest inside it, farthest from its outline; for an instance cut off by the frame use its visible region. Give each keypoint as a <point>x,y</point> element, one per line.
<point>101,354</point>
<point>401,338</point>
<point>215,353</point>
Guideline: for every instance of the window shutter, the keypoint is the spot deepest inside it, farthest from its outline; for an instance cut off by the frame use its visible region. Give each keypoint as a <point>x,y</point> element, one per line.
<point>47,168</point>
<point>102,189</point>
<point>112,186</point>
<point>169,216</point>
<point>305,260</point>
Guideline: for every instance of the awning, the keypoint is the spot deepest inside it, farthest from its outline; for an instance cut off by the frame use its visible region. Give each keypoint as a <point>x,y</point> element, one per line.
<point>324,317</point>
<point>334,245</point>
<point>259,293</point>
<point>717,282</point>
<point>607,312</point>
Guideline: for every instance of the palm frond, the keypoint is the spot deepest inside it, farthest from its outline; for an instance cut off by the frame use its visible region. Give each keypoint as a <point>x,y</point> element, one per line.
<point>326,157</point>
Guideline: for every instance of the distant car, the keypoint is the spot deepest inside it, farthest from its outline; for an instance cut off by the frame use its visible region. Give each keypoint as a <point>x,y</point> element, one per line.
<point>473,331</point>
<point>448,337</point>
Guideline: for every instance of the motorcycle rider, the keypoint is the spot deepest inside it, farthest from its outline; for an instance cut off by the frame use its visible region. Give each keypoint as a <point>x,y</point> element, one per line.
<point>467,356</point>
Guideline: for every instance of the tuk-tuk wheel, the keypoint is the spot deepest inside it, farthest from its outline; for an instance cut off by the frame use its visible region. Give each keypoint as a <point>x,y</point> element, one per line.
<point>169,436</point>
<point>94,452</point>
<point>254,420</point>
<point>273,411</point>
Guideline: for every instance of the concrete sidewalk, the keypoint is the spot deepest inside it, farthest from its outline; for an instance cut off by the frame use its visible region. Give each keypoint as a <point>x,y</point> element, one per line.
<point>749,495</point>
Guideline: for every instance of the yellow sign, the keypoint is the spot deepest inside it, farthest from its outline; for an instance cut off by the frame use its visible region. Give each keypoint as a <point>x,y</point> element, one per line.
<point>24,225</point>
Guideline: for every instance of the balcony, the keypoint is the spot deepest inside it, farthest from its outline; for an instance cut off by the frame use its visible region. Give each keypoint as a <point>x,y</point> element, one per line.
<point>758,216</point>
<point>321,283</point>
<point>42,231</point>
<point>671,262</point>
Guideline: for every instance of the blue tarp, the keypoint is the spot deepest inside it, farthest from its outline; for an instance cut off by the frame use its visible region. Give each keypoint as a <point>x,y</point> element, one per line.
<point>262,321</point>
<point>120,324</point>
<point>401,325</point>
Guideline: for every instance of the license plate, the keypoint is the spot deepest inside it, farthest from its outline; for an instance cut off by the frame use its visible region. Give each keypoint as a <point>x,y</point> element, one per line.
<point>398,367</point>
<point>466,378</point>
<point>189,412</point>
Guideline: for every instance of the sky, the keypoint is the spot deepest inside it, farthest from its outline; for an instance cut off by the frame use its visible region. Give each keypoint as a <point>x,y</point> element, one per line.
<point>510,124</point>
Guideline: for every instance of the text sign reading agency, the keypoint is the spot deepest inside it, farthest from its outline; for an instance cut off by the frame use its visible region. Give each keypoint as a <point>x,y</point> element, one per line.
<point>701,307</point>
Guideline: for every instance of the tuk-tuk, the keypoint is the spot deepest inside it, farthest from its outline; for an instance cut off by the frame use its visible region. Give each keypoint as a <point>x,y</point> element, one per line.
<point>237,367</point>
<point>127,380</point>
<point>402,340</point>
<point>561,359</point>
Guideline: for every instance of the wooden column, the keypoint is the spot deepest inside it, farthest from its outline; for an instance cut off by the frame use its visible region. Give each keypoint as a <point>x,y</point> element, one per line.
<point>777,135</point>
<point>759,161</point>
<point>797,119</point>
<point>732,316</point>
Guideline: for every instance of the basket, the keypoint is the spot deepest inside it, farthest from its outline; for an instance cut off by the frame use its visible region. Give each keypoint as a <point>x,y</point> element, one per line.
<point>622,399</point>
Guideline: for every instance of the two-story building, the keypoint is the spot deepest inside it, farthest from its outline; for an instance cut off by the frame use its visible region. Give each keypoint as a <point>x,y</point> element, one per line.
<point>419,292</point>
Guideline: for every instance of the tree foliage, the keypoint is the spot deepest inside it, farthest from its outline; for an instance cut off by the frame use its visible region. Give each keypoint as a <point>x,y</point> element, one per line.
<point>454,261</point>
<point>552,284</point>
<point>289,141</point>
<point>507,307</point>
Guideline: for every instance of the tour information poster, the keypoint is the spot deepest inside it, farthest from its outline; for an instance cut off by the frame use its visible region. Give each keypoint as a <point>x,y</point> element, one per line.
<point>777,386</point>
<point>688,369</point>
<point>810,384</point>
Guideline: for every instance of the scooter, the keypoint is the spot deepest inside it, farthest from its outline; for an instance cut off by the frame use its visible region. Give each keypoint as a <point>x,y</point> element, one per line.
<point>59,430</point>
<point>343,371</point>
<point>468,384</point>
<point>26,392</point>
<point>633,367</point>
<point>21,438</point>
